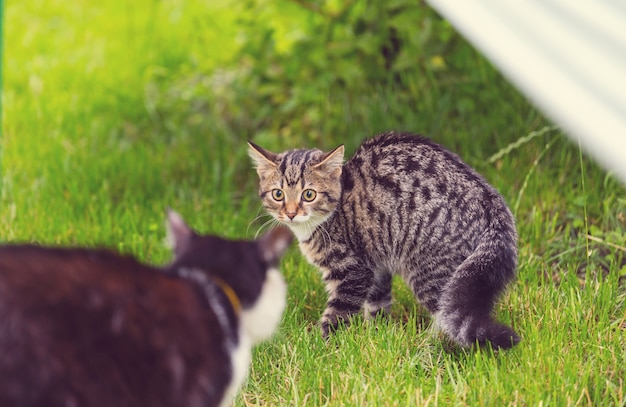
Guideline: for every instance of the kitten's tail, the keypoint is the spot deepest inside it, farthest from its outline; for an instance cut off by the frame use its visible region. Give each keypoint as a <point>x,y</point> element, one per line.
<point>470,295</point>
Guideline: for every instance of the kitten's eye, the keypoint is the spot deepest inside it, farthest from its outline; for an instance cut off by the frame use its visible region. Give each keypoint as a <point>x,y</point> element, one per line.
<point>278,194</point>
<point>309,195</point>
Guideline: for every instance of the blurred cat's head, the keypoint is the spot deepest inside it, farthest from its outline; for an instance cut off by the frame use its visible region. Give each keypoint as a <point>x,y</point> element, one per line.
<point>299,188</point>
<point>247,267</point>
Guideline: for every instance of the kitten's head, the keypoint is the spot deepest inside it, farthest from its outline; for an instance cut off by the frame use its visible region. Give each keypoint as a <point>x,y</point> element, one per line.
<point>249,268</point>
<point>300,188</point>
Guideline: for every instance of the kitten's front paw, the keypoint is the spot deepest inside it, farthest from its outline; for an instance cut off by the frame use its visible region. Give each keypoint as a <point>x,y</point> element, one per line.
<point>328,327</point>
<point>325,328</point>
<point>331,323</point>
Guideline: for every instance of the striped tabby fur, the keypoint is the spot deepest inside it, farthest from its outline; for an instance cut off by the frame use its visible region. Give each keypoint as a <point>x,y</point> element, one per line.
<point>401,205</point>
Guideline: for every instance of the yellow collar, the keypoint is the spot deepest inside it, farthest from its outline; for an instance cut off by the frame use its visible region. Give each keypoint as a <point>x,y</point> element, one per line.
<point>230,293</point>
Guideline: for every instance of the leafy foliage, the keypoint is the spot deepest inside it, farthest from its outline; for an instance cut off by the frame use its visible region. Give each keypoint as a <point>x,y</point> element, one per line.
<point>314,53</point>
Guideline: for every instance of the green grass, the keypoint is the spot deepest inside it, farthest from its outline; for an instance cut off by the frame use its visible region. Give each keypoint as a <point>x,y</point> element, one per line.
<point>109,118</point>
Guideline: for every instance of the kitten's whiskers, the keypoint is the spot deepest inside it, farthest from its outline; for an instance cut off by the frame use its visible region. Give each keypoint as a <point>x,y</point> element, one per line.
<point>271,224</point>
<point>317,222</point>
<point>257,218</point>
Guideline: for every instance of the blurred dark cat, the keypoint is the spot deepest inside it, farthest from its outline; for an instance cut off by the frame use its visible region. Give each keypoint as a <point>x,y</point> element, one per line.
<point>90,327</point>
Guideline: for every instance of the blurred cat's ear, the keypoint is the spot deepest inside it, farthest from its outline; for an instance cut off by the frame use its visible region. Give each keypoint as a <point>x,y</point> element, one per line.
<point>178,233</point>
<point>332,161</point>
<point>274,243</point>
<point>261,158</point>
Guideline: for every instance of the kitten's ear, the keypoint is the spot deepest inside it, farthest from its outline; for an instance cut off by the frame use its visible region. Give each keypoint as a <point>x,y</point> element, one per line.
<point>274,243</point>
<point>261,158</point>
<point>178,233</point>
<point>332,161</point>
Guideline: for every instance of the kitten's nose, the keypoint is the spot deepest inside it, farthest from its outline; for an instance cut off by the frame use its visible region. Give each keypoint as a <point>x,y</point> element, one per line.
<point>291,215</point>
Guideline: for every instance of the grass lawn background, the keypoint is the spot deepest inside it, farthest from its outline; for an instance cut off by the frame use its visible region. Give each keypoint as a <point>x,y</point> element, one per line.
<point>107,121</point>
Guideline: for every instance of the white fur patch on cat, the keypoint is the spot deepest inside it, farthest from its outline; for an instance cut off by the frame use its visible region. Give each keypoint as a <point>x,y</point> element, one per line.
<point>240,358</point>
<point>262,320</point>
<point>257,323</point>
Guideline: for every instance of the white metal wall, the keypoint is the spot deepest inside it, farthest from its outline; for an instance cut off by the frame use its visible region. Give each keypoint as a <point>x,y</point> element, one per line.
<point>567,56</point>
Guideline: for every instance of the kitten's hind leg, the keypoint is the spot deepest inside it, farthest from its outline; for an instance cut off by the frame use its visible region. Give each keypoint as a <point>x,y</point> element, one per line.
<point>379,297</point>
<point>348,289</point>
<point>467,301</point>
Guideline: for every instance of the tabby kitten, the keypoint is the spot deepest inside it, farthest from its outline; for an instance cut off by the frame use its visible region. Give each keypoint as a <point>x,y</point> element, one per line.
<point>89,327</point>
<point>401,205</point>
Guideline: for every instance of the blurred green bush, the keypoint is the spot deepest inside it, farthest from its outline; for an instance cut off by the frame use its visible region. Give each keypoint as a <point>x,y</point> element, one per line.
<point>323,72</point>
<point>311,55</point>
